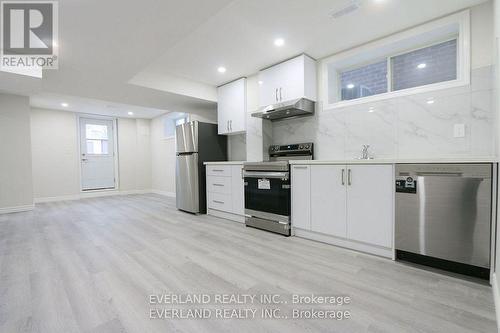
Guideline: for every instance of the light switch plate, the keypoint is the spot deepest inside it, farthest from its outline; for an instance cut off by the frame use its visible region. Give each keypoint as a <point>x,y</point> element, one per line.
<point>459,130</point>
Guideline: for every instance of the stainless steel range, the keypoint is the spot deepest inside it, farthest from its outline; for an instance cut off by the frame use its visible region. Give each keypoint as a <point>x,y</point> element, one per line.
<point>267,188</point>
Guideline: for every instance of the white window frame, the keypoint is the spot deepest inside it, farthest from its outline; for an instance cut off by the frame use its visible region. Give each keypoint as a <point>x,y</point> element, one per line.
<point>397,44</point>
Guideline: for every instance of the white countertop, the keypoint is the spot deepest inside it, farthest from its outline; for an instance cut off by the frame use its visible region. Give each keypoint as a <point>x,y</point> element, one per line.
<point>224,163</point>
<point>396,161</point>
<point>376,161</point>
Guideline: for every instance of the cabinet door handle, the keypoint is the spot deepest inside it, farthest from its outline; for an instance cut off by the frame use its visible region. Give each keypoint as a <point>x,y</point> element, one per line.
<point>300,167</point>
<point>222,185</point>
<point>343,177</point>
<point>217,170</point>
<point>349,177</point>
<point>281,98</point>
<point>276,94</point>
<point>219,202</point>
<point>231,125</point>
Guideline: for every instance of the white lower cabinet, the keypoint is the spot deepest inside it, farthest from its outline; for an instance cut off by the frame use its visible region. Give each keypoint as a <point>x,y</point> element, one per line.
<point>237,189</point>
<point>370,204</point>
<point>328,200</point>
<point>225,192</point>
<point>301,196</point>
<point>352,203</point>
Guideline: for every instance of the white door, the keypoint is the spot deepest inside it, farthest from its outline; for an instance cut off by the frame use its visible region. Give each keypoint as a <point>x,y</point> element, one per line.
<point>370,204</point>
<point>269,86</point>
<point>231,107</point>
<point>328,200</point>
<point>291,79</point>
<point>301,197</point>
<point>97,154</point>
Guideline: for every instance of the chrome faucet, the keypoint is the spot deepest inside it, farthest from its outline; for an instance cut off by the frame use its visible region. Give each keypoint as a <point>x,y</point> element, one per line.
<point>365,155</point>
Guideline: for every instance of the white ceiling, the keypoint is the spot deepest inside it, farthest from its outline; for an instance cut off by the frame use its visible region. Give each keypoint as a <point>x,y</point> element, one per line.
<point>163,55</point>
<point>240,36</point>
<point>92,106</point>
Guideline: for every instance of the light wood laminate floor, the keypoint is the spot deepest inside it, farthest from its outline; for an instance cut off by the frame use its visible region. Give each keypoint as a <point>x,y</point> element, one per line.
<point>90,266</point>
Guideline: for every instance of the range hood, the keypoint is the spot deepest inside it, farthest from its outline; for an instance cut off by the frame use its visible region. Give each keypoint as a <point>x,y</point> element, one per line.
<point>289,109</point>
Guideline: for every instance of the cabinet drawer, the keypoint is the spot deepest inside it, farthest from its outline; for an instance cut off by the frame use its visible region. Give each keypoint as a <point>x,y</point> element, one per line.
<point>219,170</point>
<point>220,201</point>
<point>218,184</point>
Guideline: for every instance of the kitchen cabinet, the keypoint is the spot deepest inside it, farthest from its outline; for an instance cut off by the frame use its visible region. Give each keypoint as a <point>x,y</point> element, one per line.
<point>301,196</point>
<point>370,204</point>
<point>289,80</point>
<point>225,191</point>
<point>328,200</point>
<point>237,190</point>
<point>352,203</point>
<point>231,107</point>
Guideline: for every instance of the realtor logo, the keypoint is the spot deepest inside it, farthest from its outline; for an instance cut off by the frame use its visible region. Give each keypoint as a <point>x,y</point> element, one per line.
<point>29,34</point>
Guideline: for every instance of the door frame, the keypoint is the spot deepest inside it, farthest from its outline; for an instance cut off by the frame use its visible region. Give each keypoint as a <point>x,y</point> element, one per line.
<point>115,150</point>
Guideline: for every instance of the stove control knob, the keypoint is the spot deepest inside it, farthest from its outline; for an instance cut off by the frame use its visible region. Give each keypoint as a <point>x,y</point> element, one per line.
<point>307,146</point>
<point>301,147</point>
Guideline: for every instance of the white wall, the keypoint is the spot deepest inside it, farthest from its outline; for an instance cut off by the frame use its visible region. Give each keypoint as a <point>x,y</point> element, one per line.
<point>162,159</point>
<point>134,154</point>
<point>54,143</point>
<point>16,184</point>
<point>56,170</point>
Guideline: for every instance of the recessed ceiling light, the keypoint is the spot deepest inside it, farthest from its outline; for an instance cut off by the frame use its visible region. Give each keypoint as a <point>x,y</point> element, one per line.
<point>421,66</point>
<point>279,42</point>
<point>261,83</point>
<point>221,69</point>
<point>130,113</point>
<point>371,109</point>
<point>378,1</point>
<point>350,86</point>
<point>64,105</point>
<point>430,101</point>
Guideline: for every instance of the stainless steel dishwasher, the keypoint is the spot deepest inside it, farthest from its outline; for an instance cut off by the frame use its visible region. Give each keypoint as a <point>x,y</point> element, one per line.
<point>443,216</point>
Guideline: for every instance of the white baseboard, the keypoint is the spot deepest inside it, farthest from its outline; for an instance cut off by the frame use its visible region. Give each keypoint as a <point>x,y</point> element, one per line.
<point>346,243</point>
<point>92,194</point>
<point>16,209</point>
<point>496,298</point>
<point>165,193</point>
<point>225,215</point>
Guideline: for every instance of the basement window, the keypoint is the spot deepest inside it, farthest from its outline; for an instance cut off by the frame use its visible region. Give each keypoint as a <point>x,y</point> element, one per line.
<point>171,121</point>
<point>433,56</point>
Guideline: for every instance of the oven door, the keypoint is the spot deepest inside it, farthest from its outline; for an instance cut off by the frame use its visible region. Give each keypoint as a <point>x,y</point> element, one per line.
<point>267,195</point>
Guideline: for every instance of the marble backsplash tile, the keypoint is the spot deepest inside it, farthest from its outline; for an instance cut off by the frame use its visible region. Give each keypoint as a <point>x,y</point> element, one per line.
<point>403,127</point>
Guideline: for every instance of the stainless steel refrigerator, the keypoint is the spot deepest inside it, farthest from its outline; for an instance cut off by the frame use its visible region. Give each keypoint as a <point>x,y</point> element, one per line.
<point>196,143</point>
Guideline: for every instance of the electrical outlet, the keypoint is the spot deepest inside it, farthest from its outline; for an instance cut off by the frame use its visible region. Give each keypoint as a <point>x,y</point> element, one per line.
<point>459,130</point>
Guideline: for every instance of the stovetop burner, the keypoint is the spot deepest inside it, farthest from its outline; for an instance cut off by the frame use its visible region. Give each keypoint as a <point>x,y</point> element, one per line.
<point>280,155</point>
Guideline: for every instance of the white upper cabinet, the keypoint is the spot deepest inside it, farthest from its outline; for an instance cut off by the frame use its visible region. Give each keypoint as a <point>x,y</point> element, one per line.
<point>370,204</point>
<point>231,107</point>
<point>328,200</point>
<point>292,79</point>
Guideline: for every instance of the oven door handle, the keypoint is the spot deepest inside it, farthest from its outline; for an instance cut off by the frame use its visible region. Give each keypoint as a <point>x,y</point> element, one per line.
<point>279,175</point>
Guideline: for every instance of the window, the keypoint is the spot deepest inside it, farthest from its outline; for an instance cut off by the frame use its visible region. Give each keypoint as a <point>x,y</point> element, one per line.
<point>364,81</point>
<point>433,56</point>
<point>97,139</point>
<point>433,64</point>
<point>171,121</point>
<point>428,65</point>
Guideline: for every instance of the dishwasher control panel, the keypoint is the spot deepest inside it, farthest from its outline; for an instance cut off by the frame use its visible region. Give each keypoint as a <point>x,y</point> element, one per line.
<point>406,184</point>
